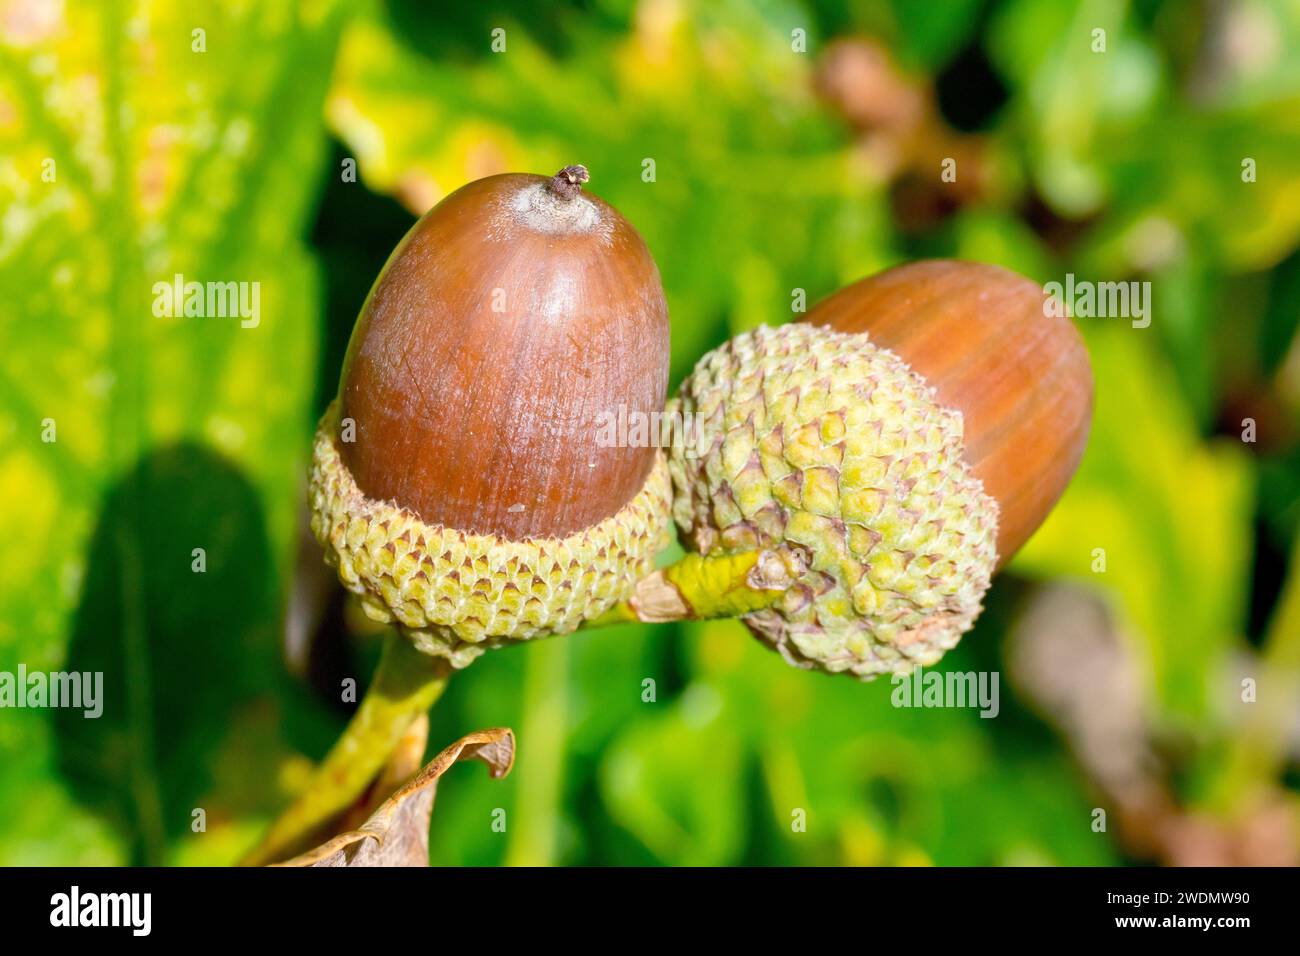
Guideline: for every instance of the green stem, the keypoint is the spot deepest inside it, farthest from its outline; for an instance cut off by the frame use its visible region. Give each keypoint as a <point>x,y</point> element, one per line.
<point>702,587</point>
<point>406,684</point>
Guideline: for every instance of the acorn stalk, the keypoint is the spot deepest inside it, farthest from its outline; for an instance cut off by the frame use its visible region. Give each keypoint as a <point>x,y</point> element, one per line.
<point>406,684</point>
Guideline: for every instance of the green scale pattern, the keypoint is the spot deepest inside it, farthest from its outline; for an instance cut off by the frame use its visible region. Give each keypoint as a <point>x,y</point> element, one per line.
<point>456,594</point>
<point>826,447</point>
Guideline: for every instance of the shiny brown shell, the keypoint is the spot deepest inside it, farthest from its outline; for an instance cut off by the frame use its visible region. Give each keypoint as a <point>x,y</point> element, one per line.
<point>510,322</point>
<point>1021,378</point>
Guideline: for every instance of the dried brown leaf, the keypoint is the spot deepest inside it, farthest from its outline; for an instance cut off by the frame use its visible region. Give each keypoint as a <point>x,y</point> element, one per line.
<point>397,834</point>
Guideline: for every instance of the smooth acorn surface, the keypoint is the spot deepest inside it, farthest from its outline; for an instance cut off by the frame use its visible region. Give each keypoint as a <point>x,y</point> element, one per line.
<point>1020,378</point>
<point>511,318</point>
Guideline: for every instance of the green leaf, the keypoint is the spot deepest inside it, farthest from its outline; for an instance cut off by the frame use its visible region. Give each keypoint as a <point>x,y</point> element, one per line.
<point>674,781</point>
<point>138,149</point>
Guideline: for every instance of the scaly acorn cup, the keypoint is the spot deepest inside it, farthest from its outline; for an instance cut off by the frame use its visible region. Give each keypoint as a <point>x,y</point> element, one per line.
<point>849,483</point>
<point>458,483</point>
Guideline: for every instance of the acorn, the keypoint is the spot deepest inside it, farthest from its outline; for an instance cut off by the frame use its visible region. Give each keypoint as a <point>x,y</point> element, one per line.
<point>856,478</point>
<point>458,483</point>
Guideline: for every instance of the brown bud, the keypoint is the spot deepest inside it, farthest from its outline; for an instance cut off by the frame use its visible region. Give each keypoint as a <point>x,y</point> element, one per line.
<point>512,317</point>
<point>980,335</point>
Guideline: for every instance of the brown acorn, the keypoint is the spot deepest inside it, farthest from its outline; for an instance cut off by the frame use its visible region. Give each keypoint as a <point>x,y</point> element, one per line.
<point>1020,377</point>
<point>459,483</point>
<point>462,483</point>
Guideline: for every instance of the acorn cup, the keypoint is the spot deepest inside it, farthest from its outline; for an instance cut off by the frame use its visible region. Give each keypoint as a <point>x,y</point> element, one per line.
<point>457,483</point>
<point>848,484</point>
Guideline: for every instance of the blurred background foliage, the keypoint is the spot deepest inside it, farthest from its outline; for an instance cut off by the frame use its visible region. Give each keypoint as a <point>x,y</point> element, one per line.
<point>795,146</point>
